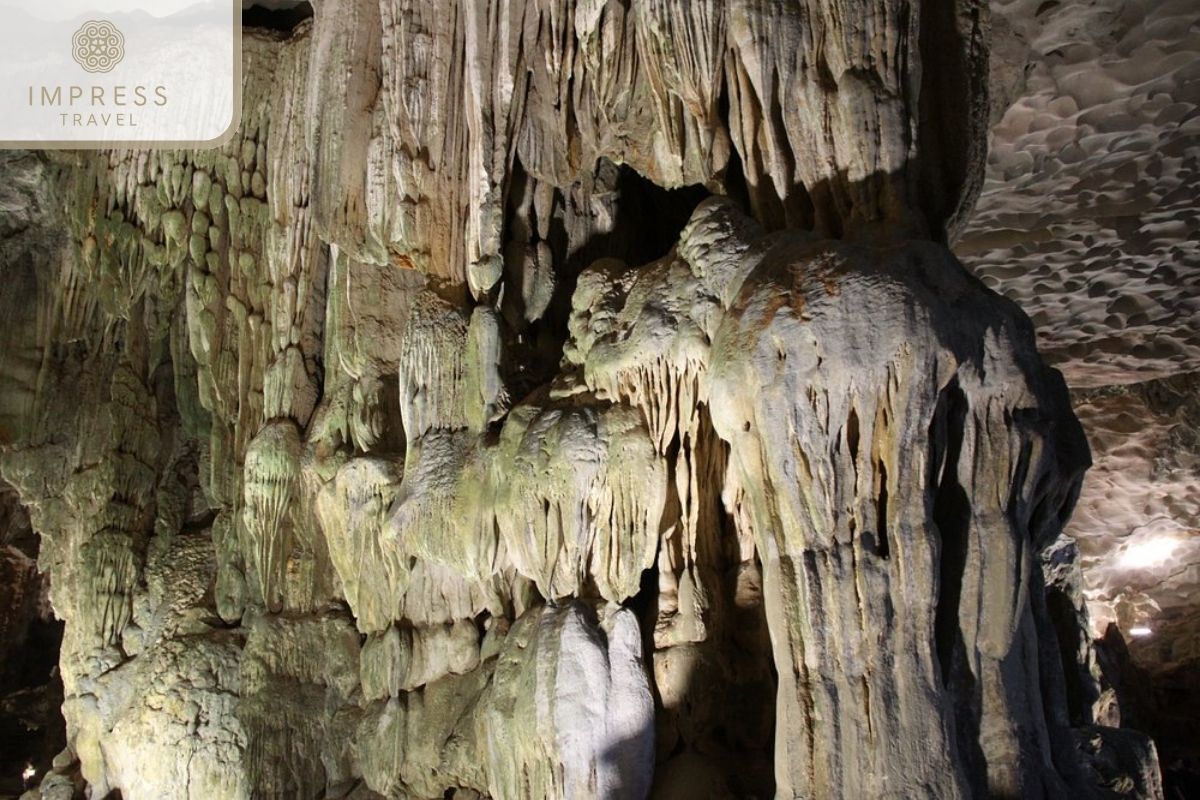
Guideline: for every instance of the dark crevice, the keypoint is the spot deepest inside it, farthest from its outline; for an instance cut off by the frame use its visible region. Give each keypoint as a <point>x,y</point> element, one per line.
<point>732,180</point>
<point>650,220</point>
<point>1019,478</point>
<point>951,512</point>
<point>32,728</point>
<point>881,513</point>
<point>284,18</point>
<point>613,212</point>
<point>954,78</point>
<point>643,603</point>
<point>852,436</point>
<point>951,515</point>
<point>1062,613</point>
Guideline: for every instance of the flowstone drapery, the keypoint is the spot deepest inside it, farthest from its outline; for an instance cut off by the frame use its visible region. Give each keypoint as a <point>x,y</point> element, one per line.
<point>544,399</point>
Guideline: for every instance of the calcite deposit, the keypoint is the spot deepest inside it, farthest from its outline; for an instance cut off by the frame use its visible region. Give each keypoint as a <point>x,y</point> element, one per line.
<point>1086,218</point>
<point>544,399</point>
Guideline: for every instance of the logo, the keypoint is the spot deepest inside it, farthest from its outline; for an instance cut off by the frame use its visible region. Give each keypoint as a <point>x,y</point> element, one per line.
<point>98,46</point>
<point>154,73</point>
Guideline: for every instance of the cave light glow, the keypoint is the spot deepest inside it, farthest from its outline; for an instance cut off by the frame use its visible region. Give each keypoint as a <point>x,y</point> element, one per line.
<point>1149,552</point>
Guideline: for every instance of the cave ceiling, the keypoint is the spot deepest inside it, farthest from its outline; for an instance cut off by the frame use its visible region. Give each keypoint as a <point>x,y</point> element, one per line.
<point>1088,218</point>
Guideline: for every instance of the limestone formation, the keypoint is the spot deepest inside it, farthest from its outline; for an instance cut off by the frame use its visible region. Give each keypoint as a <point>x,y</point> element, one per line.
<point>545,399</point>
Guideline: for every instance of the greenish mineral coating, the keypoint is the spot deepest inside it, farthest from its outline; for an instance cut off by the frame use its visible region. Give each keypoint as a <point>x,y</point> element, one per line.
<point>415,443</point>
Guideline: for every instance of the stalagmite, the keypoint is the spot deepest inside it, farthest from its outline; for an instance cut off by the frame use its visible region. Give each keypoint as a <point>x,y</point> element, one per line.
<point>576,687</point>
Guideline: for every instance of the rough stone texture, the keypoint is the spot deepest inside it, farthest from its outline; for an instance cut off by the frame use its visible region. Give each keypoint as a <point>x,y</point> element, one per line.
<point>1086,218</point>
<point>441,436</point>
<point>822,491</point>
<point>1140,510</point>
<point>1088,205</point>
<point>31,726</point>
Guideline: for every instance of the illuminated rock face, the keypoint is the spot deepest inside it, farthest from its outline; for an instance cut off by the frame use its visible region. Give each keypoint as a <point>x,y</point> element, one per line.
<point>1085,220</point>
<point>544,400</point>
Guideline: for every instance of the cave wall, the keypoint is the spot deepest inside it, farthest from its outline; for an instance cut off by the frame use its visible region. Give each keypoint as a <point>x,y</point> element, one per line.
<point>543,399</point>
<point>1085,219</point>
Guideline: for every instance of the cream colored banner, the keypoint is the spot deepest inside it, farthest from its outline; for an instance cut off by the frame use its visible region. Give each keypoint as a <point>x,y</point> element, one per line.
<point>103,73</point>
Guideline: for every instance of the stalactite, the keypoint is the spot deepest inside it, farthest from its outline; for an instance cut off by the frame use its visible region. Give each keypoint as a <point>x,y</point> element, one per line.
<point>272,479</point>
<point>542,399</point>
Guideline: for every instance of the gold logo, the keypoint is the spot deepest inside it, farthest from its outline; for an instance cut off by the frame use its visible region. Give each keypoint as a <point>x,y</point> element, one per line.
<point>98,46</point>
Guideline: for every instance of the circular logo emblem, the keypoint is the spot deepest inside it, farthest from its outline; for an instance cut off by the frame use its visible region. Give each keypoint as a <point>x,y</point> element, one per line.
<point>98,46</point>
